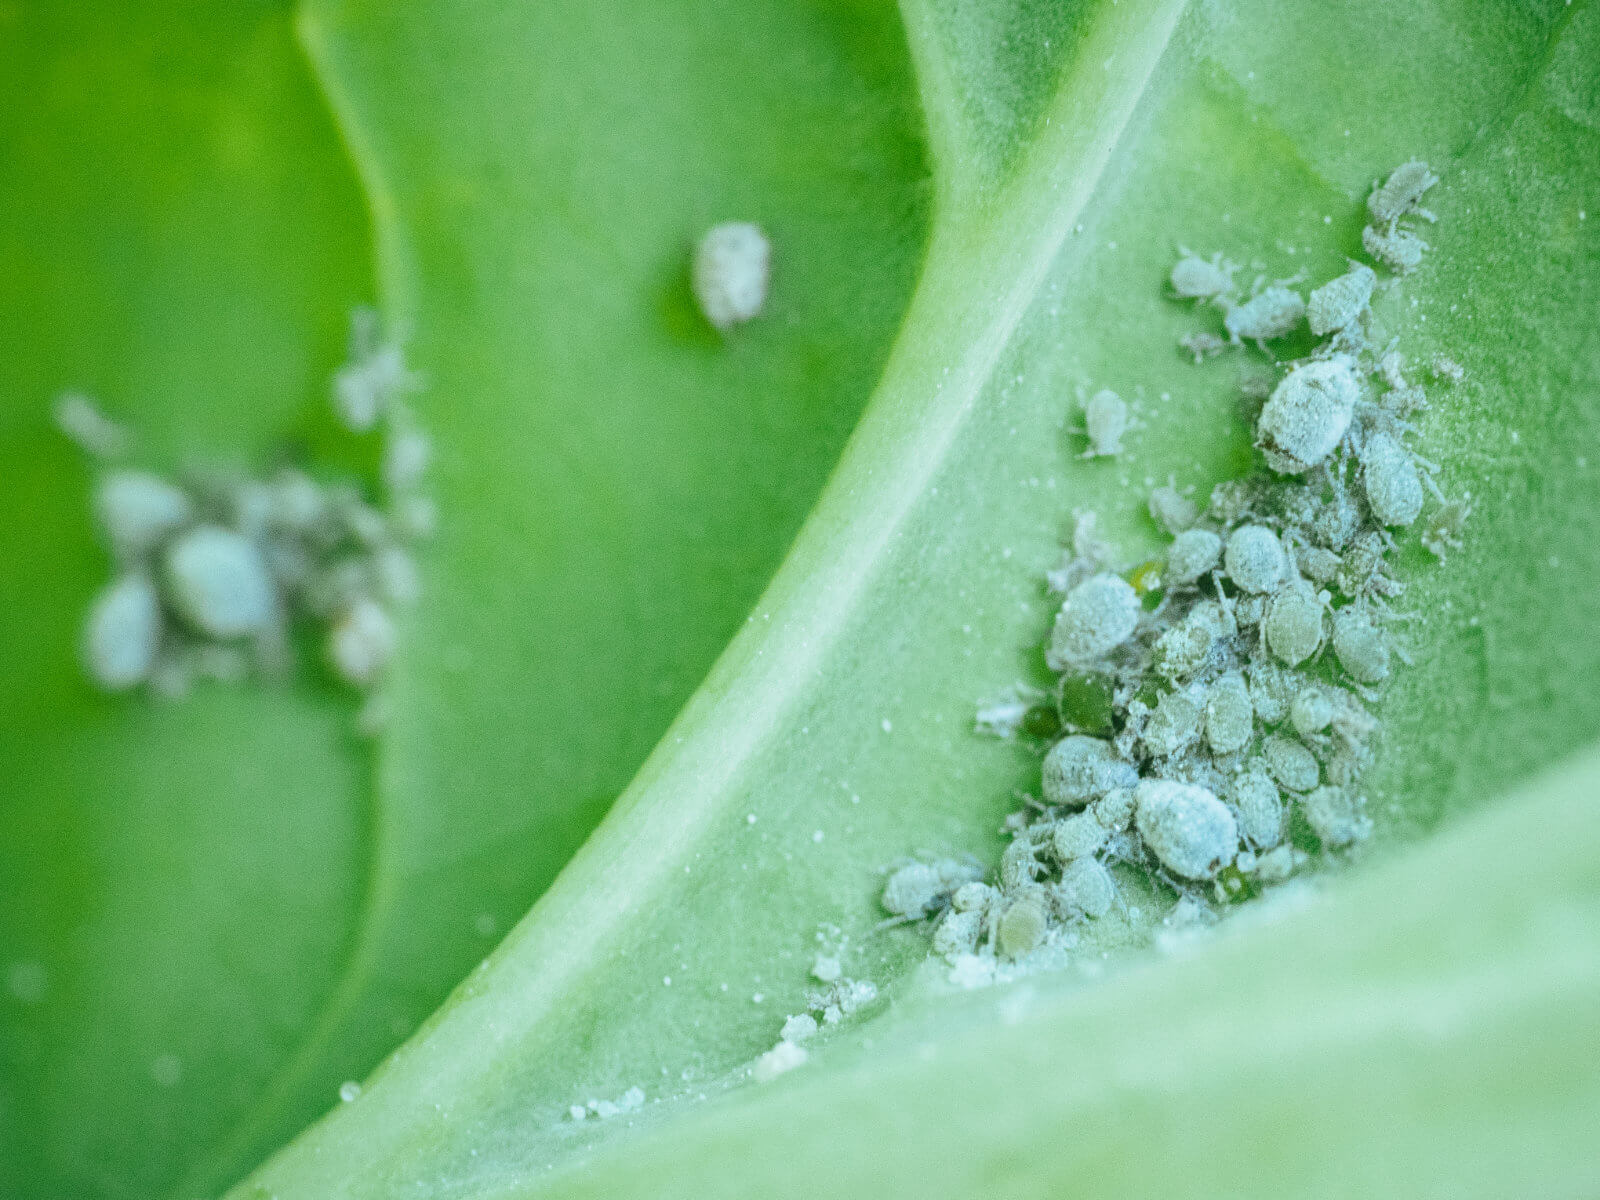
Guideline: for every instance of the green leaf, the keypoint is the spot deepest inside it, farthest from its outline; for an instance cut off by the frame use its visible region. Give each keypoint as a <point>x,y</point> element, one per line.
<point>234,890</point>
<point>1062,186</point>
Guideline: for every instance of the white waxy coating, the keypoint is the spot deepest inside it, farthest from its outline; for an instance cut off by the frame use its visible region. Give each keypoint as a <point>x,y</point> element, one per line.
<point>1340,301</point>
<point>1260,809</point>
<point>1291,764</point>
<point>1399,194</point>
<point>1186,827</point>
<point>957,933</point>
<point>1097,617</point>
<point>1307,415</point>
<point>1079,769</point>
<point>1196,278</point>
<point>1086,887</point>
<point>1077,836</point>
<point>1230,718</point>
<point>1389,477</point>
<point>1399,249</point>
<point>122,633</point>
<point>139,510</point>
<point>1192,553</point>
<point>1172,510</point>
<point>1105,417</point>
<point>1272,690</point>
<point>1311,712</point>
<point>219,583</point>
<point>1334,817</point>
<point>361,643</point>
<point>1254,559</point>
<point>1173,726</point>
<point>730,272</point>
<point>1293,625</point>
<point>1114,810</point>
<point>1269,315</point>
<point>1360,646</point>
<point>912,890</point>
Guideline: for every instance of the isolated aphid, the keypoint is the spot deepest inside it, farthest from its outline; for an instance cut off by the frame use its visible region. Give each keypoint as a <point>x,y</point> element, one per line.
<point>1201,346</point>
<point>96,434</point>
<point>1397,196</point>
<point>1174,725</point>
<point>1398,249</point>
<point>219,583</point>
<point>1193,554</point>
<point>1114,810</point>
<point>361,643</point>
<point>1442,531</point>
<point>1312,711</point>
<point>912,891</point>
<point>122,633</point>
<point>1335,817</point>
<point>1259,808</point>
<point>1105,417</point>
<point>138,510</point>
<point>1271,313</point>
<point>1085,888</point>
<point>1389,477</point>
<point>1023,923</point>
<point>1293,624</point>
<point>1290,763</point>
<point>1361,647</point>
<point>1186,827</point>
<point>1308,414</point>
<point>1079,769</point>
<point>1254,558</point>
<point>730,273</point>
<point>1171,509</point>
<point>1230,717</point>
<point>1340,301</point>
<point>1097,617</point>
<point>1196,278</point>
<point>1077,836</point>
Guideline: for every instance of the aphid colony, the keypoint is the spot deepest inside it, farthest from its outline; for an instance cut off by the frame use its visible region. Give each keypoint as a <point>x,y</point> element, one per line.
<point>1210,719</point>
<point>212,569</point>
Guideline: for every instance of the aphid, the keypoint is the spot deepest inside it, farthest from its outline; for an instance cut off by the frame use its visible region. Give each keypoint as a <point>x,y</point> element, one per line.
<point>958,933</point>
<point>1085,888</point>
<point>138,511</point>
<point>1195,278</point>
<point>912,891</point>
<point>1022,925</point>
<point>1270,314</point>
<point>969,897</point>
<point>1290,763</point>
<point>1390,479</point>
<point>798,1028</point>
<point>1361,647</point>
<point>1105,418</point>
<point>730,273</point>
<point>1230,718</point>
<point>1114,810</point>
<point>1173,726</point>
<point>1441,532</point>
<point>1308,415</point>
<point>1259,809</point>
<point>1312,712</point>
<point>122,633</point>
<point>1340,301</point>
<point>1254,558</point>
<point>1079,769</point>
<point>219,583</point>
<point>1272,690</point>
<point>297,502</point>
<point>361,643</point>
<point>1293,624</point>
<point>1279,863</point>
<point>1077,836</point>
<point>1319,564</point>
<point>1097,617</point>
<point>1336,521</point>
<point>1019,863</point>
<point>1230,500</point>
<point>1171,509</point>
<point>1398,249</point>
<point>96,434</point>
<point>372,378</point>
<point>781,1059</point>
<point>406,454</point>
<point>396,576</point>
<point>1202,345</point>
<point>1186,827</point>
<point>1399,194</point>
<point>1184,649</point>
<point>1335,816</point>
<point>1361,567</point>
<point>1193,553</point>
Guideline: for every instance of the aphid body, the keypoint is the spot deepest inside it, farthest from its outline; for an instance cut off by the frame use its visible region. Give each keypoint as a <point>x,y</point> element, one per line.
<point>1186,827</point>
<point>1105,417</point>
<point>122,633</point>
<point>1085,888</point>
<point>1259,809</point>
<point>1334,816</point>
<point>1273,312</point>
<point>1390,479</point>
<point>139,510</point>
<point>1340,301</point>
<point>1398,249</point>
<point>1293,624</point>
<point>1196,278</point>
<point>219,583</point>
<point>1397,196</point>
<point>1230,718</point>
<point>1308,414</point>
<point>730,273</point>
<point>1290,763</point>
<point>1193,553</point>
<point>361,643</point>
<point>1080,769</point>
<point>1254,559</point>
<point>1360,646</point>
<point>1097,617</point>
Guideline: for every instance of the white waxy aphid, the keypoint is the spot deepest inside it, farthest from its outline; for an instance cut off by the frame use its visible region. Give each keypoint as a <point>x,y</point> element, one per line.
<point>1442,530</point>
<point>1272,690</point>
<point>1023,923</point>
<point>1097,617</point>
<point>1172,510</point>
<point>396,576</point>
<point>912,891</point>
<point>1174,725</point>
<point>361,643</point>
<point>1077,836</point>
<point>1254,559</point>
<point>1259,808</point>
<point>730,273</point>
<point>1308,414</point>
<point>123,633</point>
<point>1442,366</point>
<point>1336,521</point>
<point>1105,418</point>
<point>1398,195</point>
<point>1279,863</point>
<point>1335,817</point>
<point>1079,769</point>
<point>298,502</point>
<point>218,582</point>
<point>1114,810</point>
<point>969,897</point>
<point>1086,889</point>
<point>1398,249</point>
<point>1389,477</point>
<point>1196,278</point>
<point>96,434</point>
<point>1293,624</point>
<point>1193,554</point>
<point>1186,827</point>
<point>780,1060</point>
<point>406,454</point>
<point>1230,717</point>
<point>1361,647</point>
<point>138,510</point>
<point>1187,647</point>
<point>1202,345</point>
<point>1290,763</point>
<point>1270,314</point>
<point>1320,564</point>
<point>958,933</point>
<point>373,377</point>
<point>1312,712</point>
<point>1340,301</point>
